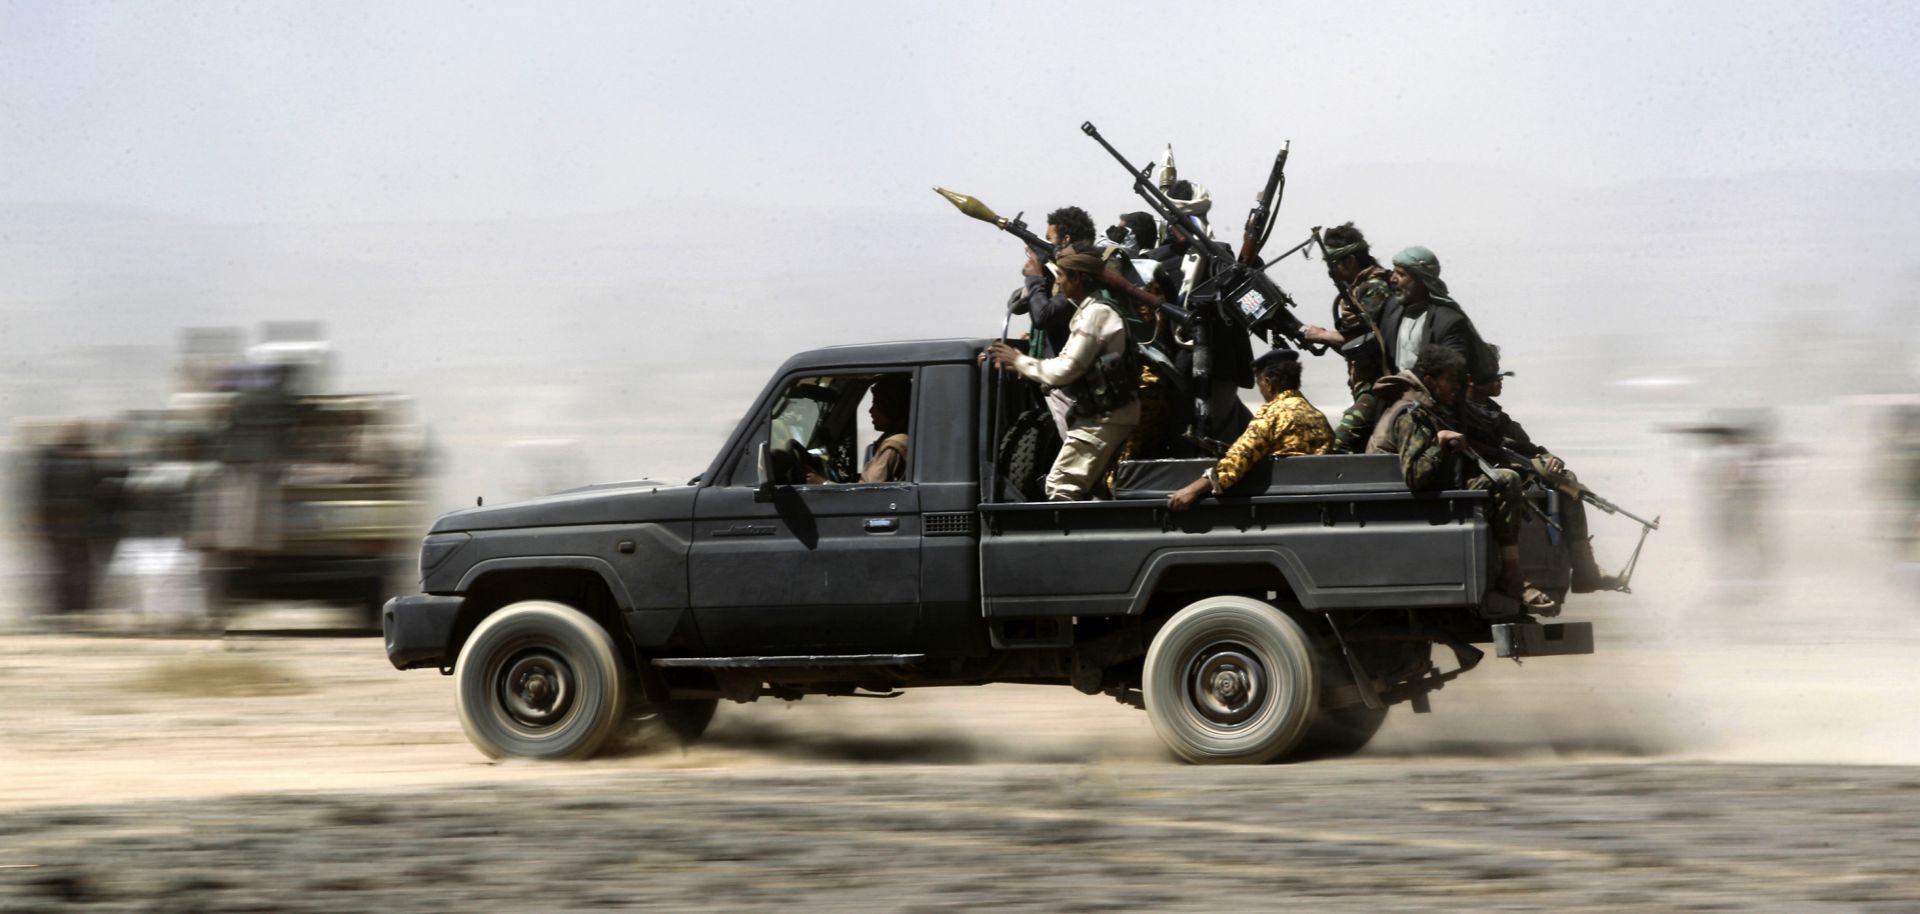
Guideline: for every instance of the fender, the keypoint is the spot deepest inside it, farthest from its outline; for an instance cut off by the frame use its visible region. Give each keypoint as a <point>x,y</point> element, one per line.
<point>621,598</point>
<point>1278,558</point>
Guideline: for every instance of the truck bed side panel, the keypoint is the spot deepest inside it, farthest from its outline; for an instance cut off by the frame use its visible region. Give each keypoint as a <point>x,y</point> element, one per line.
<point>1354,551</point>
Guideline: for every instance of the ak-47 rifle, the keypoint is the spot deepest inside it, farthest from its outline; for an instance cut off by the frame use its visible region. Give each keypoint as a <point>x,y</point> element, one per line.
<point>1480,447</point>
<point>1235,293</point>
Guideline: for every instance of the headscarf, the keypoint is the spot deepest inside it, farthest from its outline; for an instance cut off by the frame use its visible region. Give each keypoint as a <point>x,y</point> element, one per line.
<point>1075,261</point>
<point>1425,267</point>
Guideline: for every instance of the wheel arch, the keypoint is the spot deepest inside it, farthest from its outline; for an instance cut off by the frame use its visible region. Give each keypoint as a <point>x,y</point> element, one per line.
<point>493,585</point>
<point>539,563</point>
<point>1172,578</point>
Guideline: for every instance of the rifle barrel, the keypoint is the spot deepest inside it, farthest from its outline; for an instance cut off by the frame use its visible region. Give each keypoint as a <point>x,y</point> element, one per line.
<point>1587,496</point>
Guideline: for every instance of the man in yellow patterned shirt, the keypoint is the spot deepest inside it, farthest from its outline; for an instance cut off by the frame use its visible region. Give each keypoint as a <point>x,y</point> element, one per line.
<point>1287,426</point>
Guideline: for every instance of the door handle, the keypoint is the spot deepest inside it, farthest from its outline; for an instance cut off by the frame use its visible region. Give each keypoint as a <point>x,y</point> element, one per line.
<point>881,524</point>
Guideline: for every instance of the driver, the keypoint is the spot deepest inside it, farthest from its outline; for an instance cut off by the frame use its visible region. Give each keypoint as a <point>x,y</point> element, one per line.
<point>887,457</point>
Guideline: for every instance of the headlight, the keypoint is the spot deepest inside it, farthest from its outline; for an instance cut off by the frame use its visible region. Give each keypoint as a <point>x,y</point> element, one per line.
<point>435,549</point>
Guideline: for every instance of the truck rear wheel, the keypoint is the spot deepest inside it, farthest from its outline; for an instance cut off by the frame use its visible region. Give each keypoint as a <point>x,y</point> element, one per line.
<point>540,680</point>
<point>1230,680</point>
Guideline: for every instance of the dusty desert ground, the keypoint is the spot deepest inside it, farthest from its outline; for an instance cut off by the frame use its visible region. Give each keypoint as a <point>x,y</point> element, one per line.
<point>268,772</point>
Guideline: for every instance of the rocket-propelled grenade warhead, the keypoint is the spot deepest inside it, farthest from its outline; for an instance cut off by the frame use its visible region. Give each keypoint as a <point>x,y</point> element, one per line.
<point>972,207</point>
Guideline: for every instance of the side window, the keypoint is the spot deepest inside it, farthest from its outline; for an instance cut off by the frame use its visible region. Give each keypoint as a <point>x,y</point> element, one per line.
<point>841,429</point>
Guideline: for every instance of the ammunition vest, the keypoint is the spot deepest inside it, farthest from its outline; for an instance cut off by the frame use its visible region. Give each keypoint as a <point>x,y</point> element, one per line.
<point>1113,380</point>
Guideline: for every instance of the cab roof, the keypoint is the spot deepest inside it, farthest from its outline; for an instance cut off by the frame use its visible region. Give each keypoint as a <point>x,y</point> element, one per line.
<point>886,355</point>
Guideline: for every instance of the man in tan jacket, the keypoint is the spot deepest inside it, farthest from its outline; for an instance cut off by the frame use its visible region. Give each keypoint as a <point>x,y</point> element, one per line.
<point>1097,371</point>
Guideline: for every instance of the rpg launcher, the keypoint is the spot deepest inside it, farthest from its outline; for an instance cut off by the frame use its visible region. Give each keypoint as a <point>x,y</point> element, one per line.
<point>1113,282</point>
<point>971,206</point>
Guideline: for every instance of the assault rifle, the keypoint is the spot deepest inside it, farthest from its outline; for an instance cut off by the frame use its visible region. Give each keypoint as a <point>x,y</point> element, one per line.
<point>1233,294</point>
<point>1476,434</point>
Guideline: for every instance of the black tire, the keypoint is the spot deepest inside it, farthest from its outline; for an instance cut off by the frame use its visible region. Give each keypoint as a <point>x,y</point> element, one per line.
<point>1340,732</point>
<point>1231,680</point>
<point>1027,451</point>
<point>540,680</point>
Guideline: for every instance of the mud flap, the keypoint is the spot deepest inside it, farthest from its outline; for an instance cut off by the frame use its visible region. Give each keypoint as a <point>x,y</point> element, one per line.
<point>1532,639</point>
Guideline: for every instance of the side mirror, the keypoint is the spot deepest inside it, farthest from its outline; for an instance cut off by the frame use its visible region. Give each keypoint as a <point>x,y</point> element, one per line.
<point>764,464</point>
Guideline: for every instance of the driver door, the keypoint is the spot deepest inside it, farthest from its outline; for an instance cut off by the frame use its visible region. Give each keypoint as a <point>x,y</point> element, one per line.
<point>828,567</point>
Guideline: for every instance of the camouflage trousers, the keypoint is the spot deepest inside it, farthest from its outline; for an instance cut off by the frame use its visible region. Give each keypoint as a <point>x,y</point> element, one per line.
<point>1504,514</point>
<point>1356,424</point>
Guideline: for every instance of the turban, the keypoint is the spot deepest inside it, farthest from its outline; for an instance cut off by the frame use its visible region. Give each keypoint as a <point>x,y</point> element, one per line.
<point>1425,267</point>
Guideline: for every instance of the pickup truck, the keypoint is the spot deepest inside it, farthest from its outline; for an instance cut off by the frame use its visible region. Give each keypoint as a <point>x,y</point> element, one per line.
<point>1280,620</point>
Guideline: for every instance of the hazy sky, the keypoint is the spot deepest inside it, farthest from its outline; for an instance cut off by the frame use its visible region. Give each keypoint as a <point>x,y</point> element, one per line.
<point>381,112</point>
<point>529,215</point>
<point>499,208</point>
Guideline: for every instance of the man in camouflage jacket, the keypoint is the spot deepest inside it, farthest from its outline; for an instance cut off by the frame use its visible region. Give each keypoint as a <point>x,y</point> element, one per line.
<point>1361,290</point>
<point>1286,426</point>
<point>1419,428</point>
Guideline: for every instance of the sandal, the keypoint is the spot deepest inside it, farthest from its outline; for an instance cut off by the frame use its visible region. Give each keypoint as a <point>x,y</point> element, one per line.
<point>1536,601</point>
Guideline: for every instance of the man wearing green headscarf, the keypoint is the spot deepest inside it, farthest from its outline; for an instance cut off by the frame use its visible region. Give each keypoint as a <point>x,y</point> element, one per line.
<point>1422,313</point>
<point>1361,290</point>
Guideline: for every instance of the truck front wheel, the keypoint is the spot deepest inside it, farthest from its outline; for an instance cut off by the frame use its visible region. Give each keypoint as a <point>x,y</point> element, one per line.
<point>540,680</point>
<point>1230,680</point>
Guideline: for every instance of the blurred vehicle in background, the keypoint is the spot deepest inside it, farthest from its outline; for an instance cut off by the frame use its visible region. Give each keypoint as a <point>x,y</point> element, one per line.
<point>315,496</point>
<point>252,482</point>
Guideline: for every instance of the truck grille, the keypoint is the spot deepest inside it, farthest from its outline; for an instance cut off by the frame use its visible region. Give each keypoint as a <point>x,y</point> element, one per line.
<point>949,523</point>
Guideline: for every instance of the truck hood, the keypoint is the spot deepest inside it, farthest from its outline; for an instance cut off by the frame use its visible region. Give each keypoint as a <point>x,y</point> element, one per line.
<point>641,501</point>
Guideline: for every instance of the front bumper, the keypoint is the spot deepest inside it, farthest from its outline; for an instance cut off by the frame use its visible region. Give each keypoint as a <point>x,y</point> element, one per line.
<point>419,630</point>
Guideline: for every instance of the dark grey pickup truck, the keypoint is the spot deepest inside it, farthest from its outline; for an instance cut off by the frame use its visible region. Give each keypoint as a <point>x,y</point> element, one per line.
<point>1281,620</point>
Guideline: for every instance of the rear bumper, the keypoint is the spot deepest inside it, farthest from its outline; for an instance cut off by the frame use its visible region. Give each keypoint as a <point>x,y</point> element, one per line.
<point>418,630</point>
<point>1532,639</point>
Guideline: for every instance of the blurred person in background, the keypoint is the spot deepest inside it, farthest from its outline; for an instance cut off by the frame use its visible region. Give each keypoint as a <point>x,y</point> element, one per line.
<point>1901,480</point>
<point>1741,474</point>
<point>74,514</point>
<point>160,575</point>
<point>253,455</point>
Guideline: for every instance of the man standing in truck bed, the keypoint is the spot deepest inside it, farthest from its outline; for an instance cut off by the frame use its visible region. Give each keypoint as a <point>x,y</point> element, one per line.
<point>1099,374</point>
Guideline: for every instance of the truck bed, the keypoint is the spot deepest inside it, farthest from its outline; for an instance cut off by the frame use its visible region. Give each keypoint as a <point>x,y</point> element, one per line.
<point>1337,531</point>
